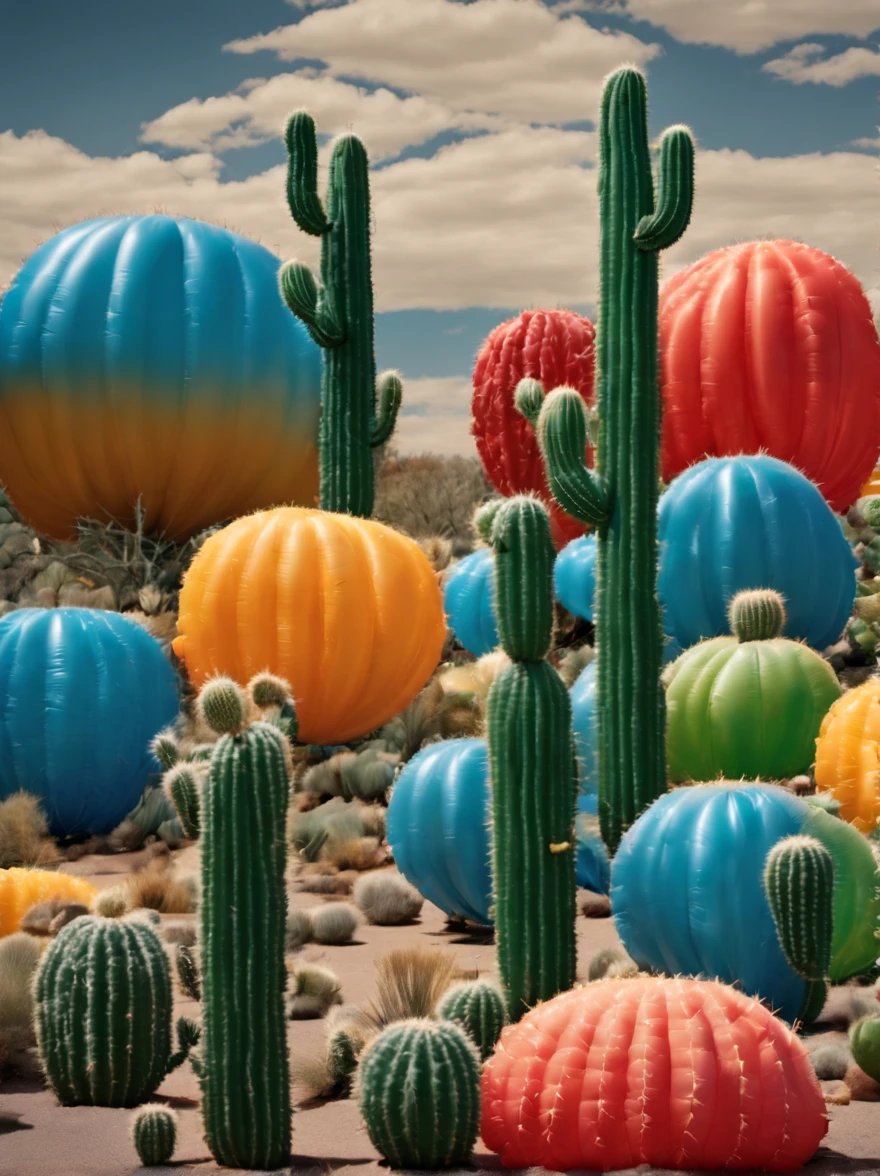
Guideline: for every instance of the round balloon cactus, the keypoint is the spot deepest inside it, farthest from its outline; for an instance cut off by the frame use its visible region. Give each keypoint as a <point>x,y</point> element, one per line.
<point>688,893</point>
<point>747,706</point>
<point>82,694</point>
<point>556,347</point>
<point>347,610</point>
<point>848,755</point>
<point>771,346</point>
<point>469,600</point>
<point>148,359</point>
<point>674,1073</point>
<point>751,522</point>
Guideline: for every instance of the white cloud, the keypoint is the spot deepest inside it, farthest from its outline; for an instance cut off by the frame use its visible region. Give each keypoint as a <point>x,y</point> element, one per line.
<point>806,63</point>
<point>746,26</point>
<point>867,143</point>
<point>508,57</point>
<point>435,417</point>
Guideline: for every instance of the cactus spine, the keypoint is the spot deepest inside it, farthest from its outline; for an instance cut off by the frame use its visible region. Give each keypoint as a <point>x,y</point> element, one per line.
<point>532,764</point>
<point>479,1009</point>
<point>620,495</point>
<point>357,414</point>
<point>154,1134</point>
<point>419,1094</point>
<point>244,1067</point>
<point>103,1014</point>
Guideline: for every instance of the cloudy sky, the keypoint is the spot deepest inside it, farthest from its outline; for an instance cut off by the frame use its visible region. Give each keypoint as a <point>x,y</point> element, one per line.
<point>478,116</point>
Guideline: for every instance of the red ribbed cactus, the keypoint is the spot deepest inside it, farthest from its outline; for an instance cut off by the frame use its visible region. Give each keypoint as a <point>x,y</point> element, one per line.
<point>671,1072</point>
<point>556,347</point>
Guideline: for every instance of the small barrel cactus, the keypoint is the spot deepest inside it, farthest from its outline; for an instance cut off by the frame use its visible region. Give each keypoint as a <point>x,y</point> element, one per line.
<point>478,1007</point>
<point>154,1134</point>
<point>864,1041</point>
<point>799,880</point>
<point>183,789</point>
<point>419,1094</point>
<point>223,706</point>
<point>757,615</point>
<point>103,1014</point>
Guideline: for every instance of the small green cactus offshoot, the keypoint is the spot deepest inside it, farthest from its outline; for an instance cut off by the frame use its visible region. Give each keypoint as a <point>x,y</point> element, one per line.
<point>478,1007</point>
<point>154,1134</point>
<point>166,749</point>
<point>183,790</point>
<point>188,972</point>
<point>757,615</point>
<point>223,706</point>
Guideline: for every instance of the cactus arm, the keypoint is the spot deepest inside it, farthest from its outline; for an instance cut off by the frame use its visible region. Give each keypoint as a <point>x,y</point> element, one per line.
<point>675,193</point>
<point>188,1035</point>
<point>308,300</point>
<point>389,391</point>
<point>301,140</point>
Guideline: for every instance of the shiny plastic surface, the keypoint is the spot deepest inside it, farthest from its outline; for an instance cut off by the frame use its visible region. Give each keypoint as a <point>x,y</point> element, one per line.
<point>469,600</point>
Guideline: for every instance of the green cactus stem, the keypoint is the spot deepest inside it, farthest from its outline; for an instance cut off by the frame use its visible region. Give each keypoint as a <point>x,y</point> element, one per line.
<point>799,882</point>
<point>244,1066</point>
<point>166,749</point>
<point>154,1134</point>
<point>533,770</point>
<point>188,972</point>
<point>103,1014</point>
<point>479,1009</point>
<point>620,495</point>
<point>358,413</point>
<point>419,1094</point>
<point>757,615</point>
<point>183,790</point>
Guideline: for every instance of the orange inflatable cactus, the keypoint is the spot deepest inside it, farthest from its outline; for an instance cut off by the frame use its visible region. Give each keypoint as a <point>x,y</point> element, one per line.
<point>848,755</point>
<point>21,889</point>
<point>347,610</point>
<point>674,1073</point>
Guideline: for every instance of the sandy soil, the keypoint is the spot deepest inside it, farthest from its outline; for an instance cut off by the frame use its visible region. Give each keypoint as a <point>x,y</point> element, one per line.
<point>48,1140</point>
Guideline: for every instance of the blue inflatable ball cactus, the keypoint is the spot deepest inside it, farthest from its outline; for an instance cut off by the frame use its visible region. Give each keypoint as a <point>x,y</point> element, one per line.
<point>469,600</point>
<point>730,523</point>
<point>82,693</point>
<point>152,359</point>
<point>439,818</point>
<point>585,727</point>
<point>574,576</point>
<point>592,867</point>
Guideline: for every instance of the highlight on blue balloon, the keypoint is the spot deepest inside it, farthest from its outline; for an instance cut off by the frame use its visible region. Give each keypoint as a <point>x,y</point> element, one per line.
<point>574,576</point>
<point>469,600</point>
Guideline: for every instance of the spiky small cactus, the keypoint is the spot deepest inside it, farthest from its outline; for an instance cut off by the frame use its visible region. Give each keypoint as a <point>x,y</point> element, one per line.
<point>183,790</point>
<point>154,1134</point>
<point>419,1094</point>
<point>269,690</point>
<point>478,1007</point>
<point>799,881</point>
<point>223,706</point>
<point>757,614</point>
<point>864,1041</point>
<point>166,749</point>
<point>188,972</point>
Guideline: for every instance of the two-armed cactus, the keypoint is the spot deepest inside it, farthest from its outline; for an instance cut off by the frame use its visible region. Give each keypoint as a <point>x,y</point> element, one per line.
<point>620,495</point>
<point>357,413</point>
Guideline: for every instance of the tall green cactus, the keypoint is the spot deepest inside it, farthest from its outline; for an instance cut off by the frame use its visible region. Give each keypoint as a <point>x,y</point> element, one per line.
<point>357,414</point>
<point>533,770</point>
<point>244,1069</point>
<point>620,495</point>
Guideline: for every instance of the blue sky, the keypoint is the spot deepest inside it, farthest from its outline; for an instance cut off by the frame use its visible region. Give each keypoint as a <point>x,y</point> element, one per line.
<point>478,119</point>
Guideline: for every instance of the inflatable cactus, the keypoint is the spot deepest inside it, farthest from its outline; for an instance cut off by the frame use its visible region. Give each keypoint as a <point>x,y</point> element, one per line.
<point>419,1094</point>
<point>479,1009</point>
<point>620,496</point>
<point>22,888</point>
<point>244,1069</point>
<point>533,770</point>
<point>103,1014</point>
<point>673,1073</point>
<point>848,755</point>
<point>799,880</point>
<point>864,1041</point>
<point>154,1134</point>
<point>357,414</point>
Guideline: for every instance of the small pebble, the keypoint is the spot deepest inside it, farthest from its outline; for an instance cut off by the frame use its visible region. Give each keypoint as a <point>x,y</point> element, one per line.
<point>836,1093</point>
<point>596,906</point>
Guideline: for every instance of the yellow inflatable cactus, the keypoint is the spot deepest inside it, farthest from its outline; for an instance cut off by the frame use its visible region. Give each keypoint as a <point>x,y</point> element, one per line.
<point>21,889</point>
<point>848,755</point>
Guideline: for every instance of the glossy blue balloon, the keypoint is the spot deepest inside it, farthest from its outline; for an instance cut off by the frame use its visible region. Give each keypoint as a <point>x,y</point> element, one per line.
<point>82,693</point>
<point>439,819</point>
<point>730,523</point>
<point>592,866</point>
<point>687,888</point>
<point>574,576</point>
<point>469,600</point>
<point>585,727</point>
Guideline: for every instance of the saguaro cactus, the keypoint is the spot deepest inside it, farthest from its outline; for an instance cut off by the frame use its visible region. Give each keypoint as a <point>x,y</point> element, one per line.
<point>244,1069</point>
<point>357,414</point>
<point>620,495</point>
<point>533,770</point>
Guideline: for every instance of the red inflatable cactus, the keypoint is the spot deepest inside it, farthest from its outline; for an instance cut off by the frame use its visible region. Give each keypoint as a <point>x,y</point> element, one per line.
<point>554,346</point>
<point>771,346</point>
<point>674,1073</point>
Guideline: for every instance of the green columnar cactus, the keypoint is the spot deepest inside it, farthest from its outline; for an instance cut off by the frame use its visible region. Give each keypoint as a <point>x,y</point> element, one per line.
<point>103,1014</point>
<point>799,882</point>
<point>244,1066</point>
<point>182,789</point>
<point>533,770</point>
<point>154,1134</point>
<point>357,413</point>
<point>479,1009</point>
<point>757,614</point>
<point>419,1094</point>
<point>620,496</point>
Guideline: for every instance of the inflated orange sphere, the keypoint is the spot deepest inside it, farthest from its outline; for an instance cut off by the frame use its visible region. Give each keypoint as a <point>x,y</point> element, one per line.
<point>848,755</point>
<point>348,610</point>
<point>21,888</point>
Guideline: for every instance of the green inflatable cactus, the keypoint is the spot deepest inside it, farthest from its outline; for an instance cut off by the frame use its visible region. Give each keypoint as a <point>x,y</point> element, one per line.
<point>479,1009</point>
<point>154,1134</point>
<point>357,414</point>
<point>620,496</point>
<point>533,770</point>
<point>419,1094</point>
<point>864,1040</point>
<point>103,1014</point>
<point>244,1067</point>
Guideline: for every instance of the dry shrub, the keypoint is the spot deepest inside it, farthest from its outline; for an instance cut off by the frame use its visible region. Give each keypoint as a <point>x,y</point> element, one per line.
<point>19,955</point>
<point>428,496</point>
<point>314,990</point>
<point>334,924</point>
<point>24,833</point>
<point>155,888</point>
<point>387,899</point>
<point>357,853</point>
<point>409,983</point>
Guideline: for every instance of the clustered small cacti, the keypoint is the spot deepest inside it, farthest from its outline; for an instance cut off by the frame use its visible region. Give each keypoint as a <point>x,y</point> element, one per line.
<point>478,1007</point>
<point>387,899</point>
<point>103,1014</point>
<point>154,1134</point>
<point>357,413</point>
<point>419,1094</point>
